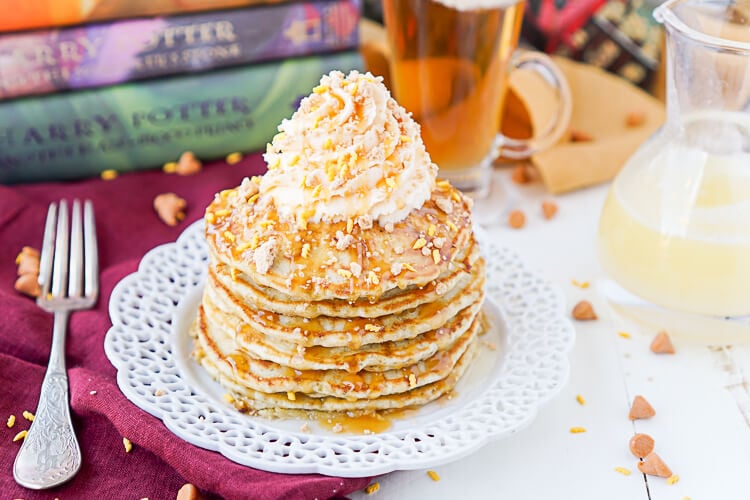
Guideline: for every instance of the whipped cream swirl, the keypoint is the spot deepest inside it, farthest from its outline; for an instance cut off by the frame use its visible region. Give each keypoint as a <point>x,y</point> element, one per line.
<point>349,152</point>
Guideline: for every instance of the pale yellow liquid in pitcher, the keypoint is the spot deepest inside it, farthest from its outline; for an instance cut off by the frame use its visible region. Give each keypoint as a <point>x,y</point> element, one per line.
<point>675,230</point>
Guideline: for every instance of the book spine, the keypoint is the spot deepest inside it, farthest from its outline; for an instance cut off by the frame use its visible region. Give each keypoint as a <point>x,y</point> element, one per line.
<point>105,54</point>
<point>134,126</point>
<point>36,14</point>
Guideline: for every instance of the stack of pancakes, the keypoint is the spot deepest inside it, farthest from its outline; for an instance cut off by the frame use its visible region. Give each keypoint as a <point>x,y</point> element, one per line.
<point>345,316</point>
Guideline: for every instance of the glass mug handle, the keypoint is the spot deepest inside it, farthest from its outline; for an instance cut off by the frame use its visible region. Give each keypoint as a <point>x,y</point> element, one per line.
<point>550,73</point>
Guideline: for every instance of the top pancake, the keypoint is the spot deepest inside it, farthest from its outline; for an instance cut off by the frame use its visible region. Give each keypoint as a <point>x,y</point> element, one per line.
<point>345,259</point>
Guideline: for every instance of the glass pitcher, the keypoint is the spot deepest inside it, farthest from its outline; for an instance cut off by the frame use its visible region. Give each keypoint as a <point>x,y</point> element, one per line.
<point>675,229</point>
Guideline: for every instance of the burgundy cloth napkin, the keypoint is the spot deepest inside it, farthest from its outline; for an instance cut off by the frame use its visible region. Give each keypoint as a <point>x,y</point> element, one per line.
<point>160,463</point>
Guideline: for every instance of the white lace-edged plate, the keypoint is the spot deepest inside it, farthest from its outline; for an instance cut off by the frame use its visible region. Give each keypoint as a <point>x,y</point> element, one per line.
<point>151,311</point>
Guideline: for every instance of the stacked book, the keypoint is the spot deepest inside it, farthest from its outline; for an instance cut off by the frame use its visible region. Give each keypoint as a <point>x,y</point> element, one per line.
<point>100,85</point>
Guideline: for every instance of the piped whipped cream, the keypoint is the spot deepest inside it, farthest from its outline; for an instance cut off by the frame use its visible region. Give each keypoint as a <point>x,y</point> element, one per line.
<point>349,152</point>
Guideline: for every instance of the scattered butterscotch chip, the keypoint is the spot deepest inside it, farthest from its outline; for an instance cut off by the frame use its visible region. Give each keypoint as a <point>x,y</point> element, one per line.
<point>28,284</point>
<point>433,475</point>
<point>234,158</point>
<point>516,219</point>
<point>127,444</point>
<point>21,435</point>
<point>28,415</point>
<point>11,421</point>
<point>188,492</point>
<point>673,479</point>
<point>641,445</point>
<point>159,393</point>
<point>580,284</point>
<point>579,136</point>
<point>580,400</point>
<point>170,167</point>
<point>28,261</point>
<point>662,344</point>
<point>108,174</point>
<point>653,465</point>
<point>374,487</point>
<point>188,164</point>
<point>641,409</point>
<point>624,335</point>
<point>623,470</point>
<point>577,430</point>
<point>549,209</point>
<point>170,208</point>
<point>635,119</point>
<point>584,311</point>
<point>520,174</point>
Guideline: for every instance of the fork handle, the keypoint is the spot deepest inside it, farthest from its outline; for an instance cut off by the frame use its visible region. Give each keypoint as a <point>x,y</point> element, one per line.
<point>50,454</point>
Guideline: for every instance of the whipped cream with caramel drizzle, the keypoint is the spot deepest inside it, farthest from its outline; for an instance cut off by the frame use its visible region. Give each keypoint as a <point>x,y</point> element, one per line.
<point>350,152</point>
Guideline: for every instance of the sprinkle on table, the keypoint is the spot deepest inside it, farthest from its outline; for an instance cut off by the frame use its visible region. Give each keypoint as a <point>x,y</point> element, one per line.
<point>580,400</point>
<point>624,335</point>
<point>21,435</point>
<point>580,284</point>
<point>93,393</point>
<point>433,475</point>
<point>11,421</point>
<point>673,479</point>
<point>28,415</point>
<point>374,487</point>
<point>577,430</point>
<point>108,174</point>
<point>623,470</point>
<point>127,444</point>
<point>234,158</point>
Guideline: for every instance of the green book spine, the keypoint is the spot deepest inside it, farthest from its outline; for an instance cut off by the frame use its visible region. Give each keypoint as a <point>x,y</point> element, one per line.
<point>144,125</point>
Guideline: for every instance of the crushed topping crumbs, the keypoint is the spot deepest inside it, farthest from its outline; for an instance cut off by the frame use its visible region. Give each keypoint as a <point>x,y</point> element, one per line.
<point>438,242</point>
<point>373,278</point>
<point>291,396</point>
<point>349,225</point>
<point>431,230</point>
<point>344,273</point>
<point>369,327</point>
<point>343,241</point>
<point>305,250</point>
<point>412,380</point>
<point>265,255</point>
<point>436,256</point>
<point>396,268</point>
<point>452,226</point>
<point>441,288</point>
<point>229,236</point>
<point>419,243</point>
<point>356,269</point>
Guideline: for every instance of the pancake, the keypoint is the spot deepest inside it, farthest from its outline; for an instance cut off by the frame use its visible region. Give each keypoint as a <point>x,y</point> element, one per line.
<point>347,278</point>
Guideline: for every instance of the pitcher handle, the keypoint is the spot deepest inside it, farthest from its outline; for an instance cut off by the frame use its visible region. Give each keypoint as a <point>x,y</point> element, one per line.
<point>550,73</point>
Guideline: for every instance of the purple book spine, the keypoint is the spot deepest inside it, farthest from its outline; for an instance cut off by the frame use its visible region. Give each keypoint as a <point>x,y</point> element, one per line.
<point>46,61</point>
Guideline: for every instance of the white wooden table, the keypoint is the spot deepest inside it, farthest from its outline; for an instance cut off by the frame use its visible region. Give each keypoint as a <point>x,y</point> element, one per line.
<point>701,394</point>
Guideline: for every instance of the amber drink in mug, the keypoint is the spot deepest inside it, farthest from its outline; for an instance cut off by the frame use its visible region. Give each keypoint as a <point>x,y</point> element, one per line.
<point>450,65</point>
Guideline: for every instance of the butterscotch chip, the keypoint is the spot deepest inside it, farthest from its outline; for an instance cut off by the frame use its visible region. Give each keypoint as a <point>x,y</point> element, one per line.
<point>549,209</point>
<point>516,219</point>
<point>27,284</point>
<point>641,409</point>
<point>189,492</point>
<point>170,208</point>
<point>662,344</point>
<point>108,174</point>
<point>580,136</point>
<point>28,261</point>
<point>520,174</point>
<point>188,164</point>
<point>641,445</point>
<point>653,465</point>
<point>584,311</point>
<point>635,119</point>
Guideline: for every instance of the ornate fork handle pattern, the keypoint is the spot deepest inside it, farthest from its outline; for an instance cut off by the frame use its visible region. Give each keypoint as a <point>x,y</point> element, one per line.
<point>50,453</point>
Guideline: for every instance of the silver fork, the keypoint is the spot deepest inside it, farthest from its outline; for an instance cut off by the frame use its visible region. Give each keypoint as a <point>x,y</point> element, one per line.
<point>69,280</point>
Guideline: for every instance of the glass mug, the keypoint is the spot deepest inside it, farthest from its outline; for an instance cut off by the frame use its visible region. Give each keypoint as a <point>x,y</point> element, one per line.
<point>449,68</point>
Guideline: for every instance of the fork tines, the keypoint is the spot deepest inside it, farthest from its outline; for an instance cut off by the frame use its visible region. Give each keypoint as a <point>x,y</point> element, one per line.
<point>69,262</point>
